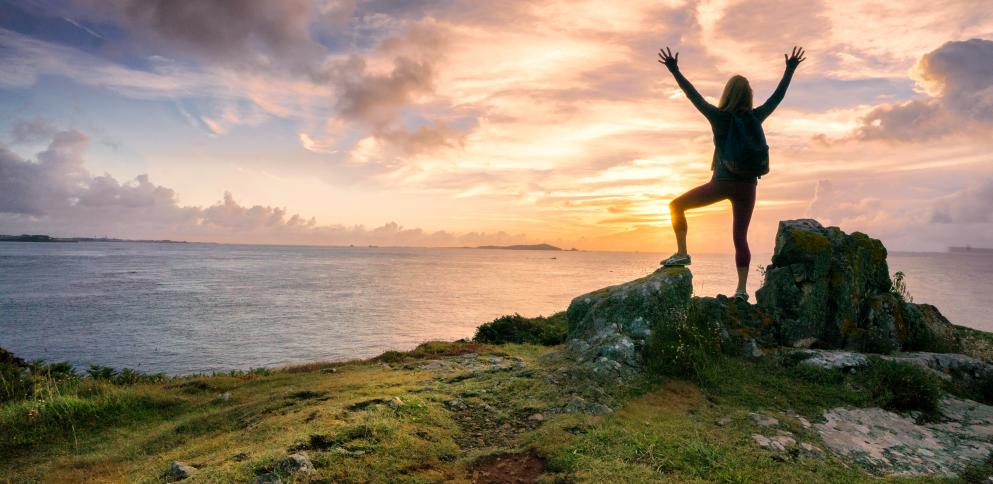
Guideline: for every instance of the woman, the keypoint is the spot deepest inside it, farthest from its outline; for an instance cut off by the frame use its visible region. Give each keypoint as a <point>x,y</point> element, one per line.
<point>724,185</point>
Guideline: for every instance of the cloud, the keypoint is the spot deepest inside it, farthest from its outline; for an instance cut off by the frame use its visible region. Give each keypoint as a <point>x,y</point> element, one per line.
<point>31,131</point>
<point>972,205</point>
<point>56,193</point>
<point>36,188</point>
<point>234,64</point>
<point>957,79</point>
<point>248,34</point>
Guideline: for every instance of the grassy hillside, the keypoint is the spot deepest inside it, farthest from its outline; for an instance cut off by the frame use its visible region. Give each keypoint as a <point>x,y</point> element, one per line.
<point>444,412</point>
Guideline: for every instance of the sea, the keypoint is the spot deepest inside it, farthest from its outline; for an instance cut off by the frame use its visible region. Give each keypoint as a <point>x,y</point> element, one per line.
<point>191,307</point>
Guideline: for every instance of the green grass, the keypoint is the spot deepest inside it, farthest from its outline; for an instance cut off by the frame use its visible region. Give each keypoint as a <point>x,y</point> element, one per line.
<point>664,430</point>
<point>975,343</point>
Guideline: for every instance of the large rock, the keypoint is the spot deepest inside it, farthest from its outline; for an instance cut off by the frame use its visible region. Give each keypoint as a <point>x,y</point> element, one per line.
<point>609,327</point>
<point>829,289</point>
<point>949,366</point>
<point>745,327</point>
<point>889,443</point>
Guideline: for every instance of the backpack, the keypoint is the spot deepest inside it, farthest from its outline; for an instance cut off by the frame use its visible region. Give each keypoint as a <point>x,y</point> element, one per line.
<point>744,151</point>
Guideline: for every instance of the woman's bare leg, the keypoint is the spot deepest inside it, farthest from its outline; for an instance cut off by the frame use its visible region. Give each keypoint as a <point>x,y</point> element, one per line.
<point>701,196</point>
<point>742,278</point>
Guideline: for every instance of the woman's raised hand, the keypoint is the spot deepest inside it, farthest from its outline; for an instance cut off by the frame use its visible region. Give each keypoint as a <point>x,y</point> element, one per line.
<point>666,57</point>
<point>793,60</point>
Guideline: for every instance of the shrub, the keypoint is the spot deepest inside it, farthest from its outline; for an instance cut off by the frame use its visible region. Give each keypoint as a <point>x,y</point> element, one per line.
<point>899,288</point>
<point>15,383</point>
<point>901,386</point>
<point>685,347</point>
<point>98,372</point>
<point>7,357</point>
<point>515,328</point>
<point>260,371</point>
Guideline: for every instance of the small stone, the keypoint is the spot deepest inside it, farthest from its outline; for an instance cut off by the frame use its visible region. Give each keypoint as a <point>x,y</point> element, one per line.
<point>225,396</point>
<point>778,443</point>
<point>784,441</point>
<point>179,471</point>
<point>329,370</point>
<point>761,440</point>
<point>537,417</point>
<point>752,348</point>
<point>269,478</point>
<point>357,453</point>
<point>436,365</point>
<point>298,462</point>
<point>578,404</point>
<point>803,422</point>
<point>395,403</point>
<point>496,360</point>
<point>456,404</point>
<point>811,448</point>
<point>725,421</point>
<point>763,420</point>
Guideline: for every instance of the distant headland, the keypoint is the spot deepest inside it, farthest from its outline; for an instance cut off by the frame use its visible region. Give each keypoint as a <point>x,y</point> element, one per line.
<point>49,238</point>
<point>968,248</point>
<point>524,247</point>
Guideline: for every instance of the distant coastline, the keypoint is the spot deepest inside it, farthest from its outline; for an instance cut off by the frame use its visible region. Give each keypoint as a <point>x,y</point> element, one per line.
<point>525,247</point>
<point>970,249</point>
<point>48,238</point>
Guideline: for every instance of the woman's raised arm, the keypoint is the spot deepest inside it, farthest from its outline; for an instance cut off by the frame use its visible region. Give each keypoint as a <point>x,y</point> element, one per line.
<point>792,62</point>
<point>672,62</point>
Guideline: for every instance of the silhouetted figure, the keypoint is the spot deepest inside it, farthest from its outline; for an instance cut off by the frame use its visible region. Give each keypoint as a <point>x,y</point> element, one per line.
<point>733,112</point>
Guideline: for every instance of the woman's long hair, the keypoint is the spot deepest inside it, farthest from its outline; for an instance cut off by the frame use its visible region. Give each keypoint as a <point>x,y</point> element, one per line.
<point>737,95</point>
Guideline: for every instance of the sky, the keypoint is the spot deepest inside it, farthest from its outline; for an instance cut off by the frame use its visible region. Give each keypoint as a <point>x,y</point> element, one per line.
<point>458,122</point>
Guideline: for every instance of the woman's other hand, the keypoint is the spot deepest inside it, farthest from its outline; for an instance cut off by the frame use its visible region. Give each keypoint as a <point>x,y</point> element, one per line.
<point>793,60</point>
<point>669,60</point>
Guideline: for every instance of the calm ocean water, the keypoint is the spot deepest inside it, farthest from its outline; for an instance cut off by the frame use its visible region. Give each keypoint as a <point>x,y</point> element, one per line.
<point>182,308</point>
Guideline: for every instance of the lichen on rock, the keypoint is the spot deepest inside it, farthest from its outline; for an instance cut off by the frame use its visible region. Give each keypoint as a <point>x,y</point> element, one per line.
<point>890,443</point>
<point>833,290</point>
<point>609,327</point>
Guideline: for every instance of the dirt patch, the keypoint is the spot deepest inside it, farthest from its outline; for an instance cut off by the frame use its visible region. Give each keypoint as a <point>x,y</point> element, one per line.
<point>507,468</point>
<point>675,397</point>
<point>96,471</point>
<point>480,427</point>
<point>366,404</point>
<point>307,395</point>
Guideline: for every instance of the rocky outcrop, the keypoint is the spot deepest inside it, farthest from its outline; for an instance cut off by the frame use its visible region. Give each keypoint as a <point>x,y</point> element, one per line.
<point>744,327</point>
<point>609,327</point>
<point>887,442</point>
<point>948,366</point>
<point>824,289</point>
<point>829,289</point>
